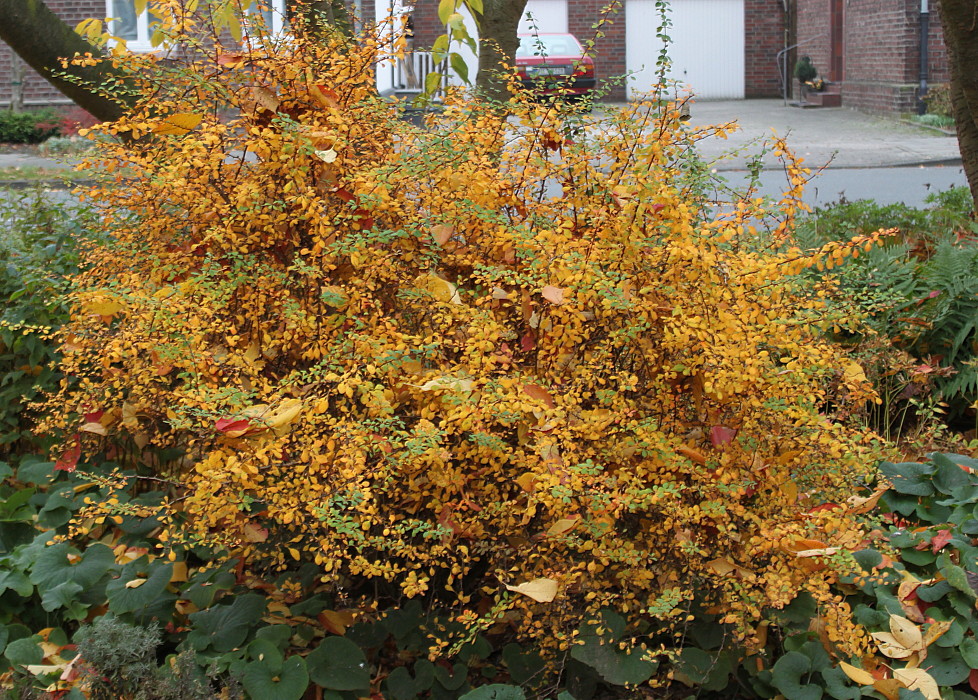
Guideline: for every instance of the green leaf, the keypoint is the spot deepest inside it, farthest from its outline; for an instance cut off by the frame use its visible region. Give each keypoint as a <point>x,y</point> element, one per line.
<point>947,666</point>
<point>124,598</point>
<point>910,478</point>
<point>338,664</point>
<point>446,8</point>
<point>53,567</point>
<point>287,682</point>
<point>25,652</point>
<point>459,65</point>
<point>955,575</point>
<point>36,472</point>
<point>225,627</point>
<point>496,691</point>
<point>523,664</point>
<point>838,685</point>
<point>432,82</point>
<point>454,679</point>
<point>948,476</point>
<point>16,581</point>
<point>65,595</point>
<point>969,651</point>
<point>615,666</point>
<point>787,676</point>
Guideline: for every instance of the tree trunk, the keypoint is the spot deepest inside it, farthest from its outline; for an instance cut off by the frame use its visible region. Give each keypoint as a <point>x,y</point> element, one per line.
<point>959,19</point>
<point>498,26</point>
<point>42,39</point>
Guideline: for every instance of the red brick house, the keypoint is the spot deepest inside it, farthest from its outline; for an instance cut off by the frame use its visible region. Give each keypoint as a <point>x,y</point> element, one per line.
<point>721,48</point>
<point>870,50</point>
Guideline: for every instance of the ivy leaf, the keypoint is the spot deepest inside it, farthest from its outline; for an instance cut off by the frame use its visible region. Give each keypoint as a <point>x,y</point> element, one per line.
<point>287,681</point>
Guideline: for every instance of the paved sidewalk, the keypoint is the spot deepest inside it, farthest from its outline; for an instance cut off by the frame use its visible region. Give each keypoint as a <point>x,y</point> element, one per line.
<point>837,137</point>
<point>832,136</point>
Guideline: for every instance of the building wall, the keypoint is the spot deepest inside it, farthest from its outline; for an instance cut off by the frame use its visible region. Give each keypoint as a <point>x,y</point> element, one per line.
<point>764,27</point>
<point>881,50</point>
<point>37,91</point>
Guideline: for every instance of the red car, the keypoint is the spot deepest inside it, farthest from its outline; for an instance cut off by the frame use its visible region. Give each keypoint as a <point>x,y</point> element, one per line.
<point>554,64</point>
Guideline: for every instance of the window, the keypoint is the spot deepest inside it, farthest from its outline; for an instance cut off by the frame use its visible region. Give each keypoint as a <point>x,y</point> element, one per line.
<point>137,28</point>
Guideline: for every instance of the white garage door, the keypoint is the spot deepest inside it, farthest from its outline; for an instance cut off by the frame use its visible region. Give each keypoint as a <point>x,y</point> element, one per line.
<point>707,48</point>
<point>544,16</point>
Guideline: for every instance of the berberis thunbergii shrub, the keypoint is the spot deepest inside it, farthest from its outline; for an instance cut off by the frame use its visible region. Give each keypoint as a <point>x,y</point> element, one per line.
<point>523,378</point>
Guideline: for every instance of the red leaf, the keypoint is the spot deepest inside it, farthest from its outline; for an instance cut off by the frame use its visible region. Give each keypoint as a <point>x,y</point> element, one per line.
<point>973,679</point>
<point>938,541</point>
<point>229,58</point>
<point>232,427</point>
<point>69,458</point>
<point>721,435</point>
<point>658,207</point>
<point>528,341</point>
<point>93,417</point>
<point>935,293</point>
<point>345,194</point>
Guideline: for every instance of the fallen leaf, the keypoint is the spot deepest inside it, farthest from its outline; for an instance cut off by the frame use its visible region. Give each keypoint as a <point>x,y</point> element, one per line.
<point>940,540</point>
<point>69,458</point>
<point>890,647</point>
<point>906,633</point>
<point>232,427</point>
<point>535,391</point>
<point>562,526</point>
<point>720,435</point>
<point>918,679</point>
<point>857,674</point>
<point>135,583</point>
<point>555,295</point>
<point>327,156</point>
<point>542,590</point>
<point>439,288</point>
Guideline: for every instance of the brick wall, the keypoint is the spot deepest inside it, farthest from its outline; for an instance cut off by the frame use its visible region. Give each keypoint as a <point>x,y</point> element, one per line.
<point>764,29</point>
<point>609,56</point>
<point>37,91</point>
<point>881,50</point>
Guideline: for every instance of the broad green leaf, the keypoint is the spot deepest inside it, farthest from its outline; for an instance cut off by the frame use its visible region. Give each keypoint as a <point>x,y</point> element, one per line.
<point>224,627</point>
<point>432,82</point>
<point>475,6</point>
<point>496,691</point>
<point>523,664</point>
<point>25,652</point>
<point>286,682</point>
<point>787,676</point>
<point>16,581</point>
<point>338,664</point>
<point>65,595</point>
<point>126,597</point>
<point>911,478</point>
<point>53,566</point>
<point>969,652</point>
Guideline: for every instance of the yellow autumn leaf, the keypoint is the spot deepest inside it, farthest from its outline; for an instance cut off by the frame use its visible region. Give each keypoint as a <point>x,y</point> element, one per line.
<point>857,675</point>
<point>446,384</point>
<point>101,306</point>
<point>180,572</point>
<point>178,124</point>
<point>327,156</point>
<point>935,630</point>
<point>135,583</point>
<point>918,679</point>
<point>442,233</point>
<point>439,288</point>
<point>562,526</point>
<point>96,428</point>
<point>906,633</point>
<point>542,590</point>
<point>890,647</point>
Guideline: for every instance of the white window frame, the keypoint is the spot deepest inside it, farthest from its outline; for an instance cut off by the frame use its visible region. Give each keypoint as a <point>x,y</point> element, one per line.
<point>141,44</point>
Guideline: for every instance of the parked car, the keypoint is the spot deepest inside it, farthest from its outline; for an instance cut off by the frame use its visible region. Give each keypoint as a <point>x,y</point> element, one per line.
<point>554,64</point>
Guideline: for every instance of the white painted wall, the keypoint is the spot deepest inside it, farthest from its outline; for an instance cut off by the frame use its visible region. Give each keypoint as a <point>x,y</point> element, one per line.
<point>546,16</point>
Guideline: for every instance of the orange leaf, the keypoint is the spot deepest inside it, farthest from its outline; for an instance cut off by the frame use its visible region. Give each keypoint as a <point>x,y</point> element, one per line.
<point>690,453</point>
<point>537,392</point>
<point>555,295</point>
<point>442,233</point>
<point>178,124</point>
<point>69,458</point>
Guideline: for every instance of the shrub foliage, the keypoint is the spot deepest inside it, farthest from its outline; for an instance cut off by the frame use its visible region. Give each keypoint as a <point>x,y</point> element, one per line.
<point>516,367</point>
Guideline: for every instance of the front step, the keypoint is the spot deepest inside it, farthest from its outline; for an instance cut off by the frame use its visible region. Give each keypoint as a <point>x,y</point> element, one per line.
<point>828,98</point>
